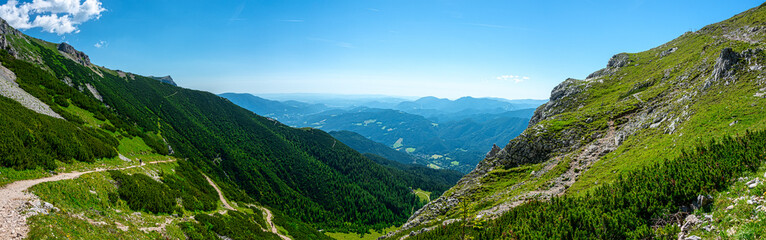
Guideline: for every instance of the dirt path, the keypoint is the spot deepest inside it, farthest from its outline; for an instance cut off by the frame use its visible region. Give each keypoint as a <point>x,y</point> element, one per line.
<point>581,162</point>
<point>14,196</point>
<point>220,194</point>
<point>159,228</point>
<point>273,228</point>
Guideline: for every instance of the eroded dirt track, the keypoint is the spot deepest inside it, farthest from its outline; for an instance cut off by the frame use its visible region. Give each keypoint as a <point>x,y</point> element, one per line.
<point>14,198</point>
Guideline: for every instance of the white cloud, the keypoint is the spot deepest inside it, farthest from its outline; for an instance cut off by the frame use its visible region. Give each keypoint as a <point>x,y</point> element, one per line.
<point>513,78</point>
<point>101,44</point>
<point>54,16</point>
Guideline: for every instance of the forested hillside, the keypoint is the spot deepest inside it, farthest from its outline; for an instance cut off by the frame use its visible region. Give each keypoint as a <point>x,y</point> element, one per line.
<point>365,145</point>
<point>303,173</point>
<point>435,181</point>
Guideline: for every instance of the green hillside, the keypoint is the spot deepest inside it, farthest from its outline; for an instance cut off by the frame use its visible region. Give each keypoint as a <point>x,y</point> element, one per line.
<point>300,173</point>
<point>435,181</point>
<point>365,145</point>
<point>624,120</point>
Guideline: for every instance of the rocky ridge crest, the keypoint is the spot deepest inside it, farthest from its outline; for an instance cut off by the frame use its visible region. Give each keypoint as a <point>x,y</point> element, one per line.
<point>166,79</point>
<point>71,53</point>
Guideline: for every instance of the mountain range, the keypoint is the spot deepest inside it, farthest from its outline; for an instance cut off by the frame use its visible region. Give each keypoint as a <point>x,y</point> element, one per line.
<point>439,133</point>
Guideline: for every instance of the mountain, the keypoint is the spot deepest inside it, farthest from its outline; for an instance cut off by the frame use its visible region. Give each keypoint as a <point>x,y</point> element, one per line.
<point>432,106</point>
<point>629,151</point>
<point>64,114</point>
<point>287,111</point>
<point>344,101</point>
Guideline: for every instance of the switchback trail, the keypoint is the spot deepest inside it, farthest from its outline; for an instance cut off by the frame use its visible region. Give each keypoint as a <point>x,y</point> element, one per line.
<point>272,228</point>
<point>13,197</point>
<point>220,194</point>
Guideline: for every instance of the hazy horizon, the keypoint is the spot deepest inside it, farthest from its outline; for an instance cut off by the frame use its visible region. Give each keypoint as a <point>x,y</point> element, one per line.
<point>287,96</point>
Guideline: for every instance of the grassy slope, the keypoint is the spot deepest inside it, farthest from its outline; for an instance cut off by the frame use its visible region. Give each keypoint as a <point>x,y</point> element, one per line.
<point>733,214</point>
<point>711,114</point>
<point>641,204</point>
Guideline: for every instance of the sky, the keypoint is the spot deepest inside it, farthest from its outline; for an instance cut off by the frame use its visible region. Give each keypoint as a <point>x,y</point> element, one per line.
<point>450,48</point>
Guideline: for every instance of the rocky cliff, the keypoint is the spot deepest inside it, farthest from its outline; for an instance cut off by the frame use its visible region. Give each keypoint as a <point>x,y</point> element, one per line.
<point>6,32</point>
<point>77,56</point>
<point>641,108</point>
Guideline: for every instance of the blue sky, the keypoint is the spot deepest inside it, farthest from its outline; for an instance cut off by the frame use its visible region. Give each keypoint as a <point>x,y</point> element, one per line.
<point>508,49</point>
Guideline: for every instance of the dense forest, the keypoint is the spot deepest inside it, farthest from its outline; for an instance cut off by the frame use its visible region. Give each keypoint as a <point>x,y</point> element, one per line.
<point>416,176</point>
<point>633,207</point>
<point>365,145</point>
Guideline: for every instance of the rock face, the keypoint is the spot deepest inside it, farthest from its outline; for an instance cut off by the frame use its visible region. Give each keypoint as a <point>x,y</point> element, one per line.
<point>723,64</point>
<point>166,79</point>
<point>73,54</point>
<point>617,61</point>
<point>5,32</point>
<point>493,152</point>
<point>562,96</point>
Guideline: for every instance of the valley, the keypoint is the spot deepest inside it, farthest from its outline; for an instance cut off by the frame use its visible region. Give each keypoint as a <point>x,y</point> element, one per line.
<point>439,133</point>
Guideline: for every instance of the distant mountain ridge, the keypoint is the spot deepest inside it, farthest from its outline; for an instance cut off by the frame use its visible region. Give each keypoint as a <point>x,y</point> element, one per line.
<point>443,134</point>
<point>286,111</point>
<point>484,105</point>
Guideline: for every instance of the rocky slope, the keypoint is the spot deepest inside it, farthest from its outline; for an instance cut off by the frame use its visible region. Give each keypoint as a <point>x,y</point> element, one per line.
<point>641,108</point>
<point>10,89</point>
